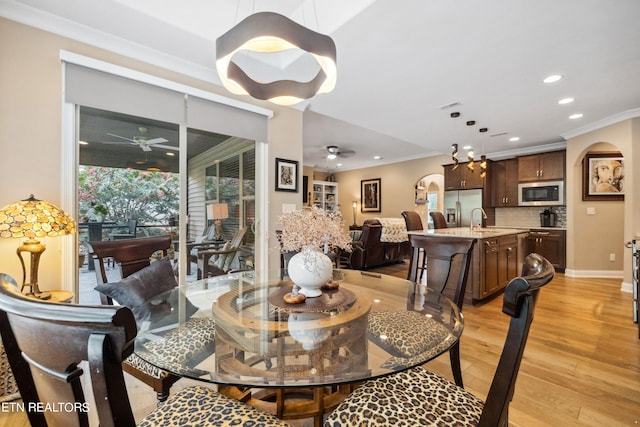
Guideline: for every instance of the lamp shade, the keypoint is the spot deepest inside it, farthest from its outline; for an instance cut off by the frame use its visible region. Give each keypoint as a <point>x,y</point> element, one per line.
<point>217,211</point>
<point>33,218</point>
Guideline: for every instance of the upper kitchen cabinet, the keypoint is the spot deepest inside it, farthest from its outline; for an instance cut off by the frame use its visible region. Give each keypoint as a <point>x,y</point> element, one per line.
<point>504,183</point>
<point>462,178</point>
<point>541,167</point>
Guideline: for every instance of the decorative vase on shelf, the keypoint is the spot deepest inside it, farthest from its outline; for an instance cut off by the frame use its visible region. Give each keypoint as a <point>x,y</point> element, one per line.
<point>310,269</point>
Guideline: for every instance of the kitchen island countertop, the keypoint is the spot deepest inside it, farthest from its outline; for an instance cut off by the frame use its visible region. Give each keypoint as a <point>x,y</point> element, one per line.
<point>466,232</point>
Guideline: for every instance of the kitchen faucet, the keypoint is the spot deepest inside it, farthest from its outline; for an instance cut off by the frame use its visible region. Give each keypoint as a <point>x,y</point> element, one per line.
<point>484,215</point>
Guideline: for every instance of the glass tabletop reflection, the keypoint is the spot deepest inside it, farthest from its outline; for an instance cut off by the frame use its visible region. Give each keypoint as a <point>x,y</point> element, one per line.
<point>236,330</point>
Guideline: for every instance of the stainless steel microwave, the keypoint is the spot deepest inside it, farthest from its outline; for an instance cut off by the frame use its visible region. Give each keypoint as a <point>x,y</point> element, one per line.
<point>544,193</point>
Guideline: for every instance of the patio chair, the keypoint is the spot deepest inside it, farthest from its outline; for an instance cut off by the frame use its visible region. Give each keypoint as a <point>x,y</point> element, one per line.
<point>215,262</point>
<point>420,397</point>
<point>61,353</point>
<point>132,231</point>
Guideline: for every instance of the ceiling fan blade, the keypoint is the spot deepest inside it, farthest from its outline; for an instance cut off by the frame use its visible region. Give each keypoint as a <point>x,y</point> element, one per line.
<point>117,142</point>
<point>346,153</point>
<point>166,147</point>
<point>123,137</point>
<point>156,141</point>
<point>145,147</point>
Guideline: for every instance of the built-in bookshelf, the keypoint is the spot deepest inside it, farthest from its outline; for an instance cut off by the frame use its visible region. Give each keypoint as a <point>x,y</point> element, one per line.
<point>325,195</point>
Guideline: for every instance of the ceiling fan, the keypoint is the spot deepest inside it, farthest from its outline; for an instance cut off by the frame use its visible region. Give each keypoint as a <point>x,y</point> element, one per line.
<point>142,141</point>
<point>333,152</point>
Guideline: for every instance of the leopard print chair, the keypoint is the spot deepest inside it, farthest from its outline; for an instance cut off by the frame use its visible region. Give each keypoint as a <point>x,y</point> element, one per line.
<point>57,351</point>
<point>419,397</point>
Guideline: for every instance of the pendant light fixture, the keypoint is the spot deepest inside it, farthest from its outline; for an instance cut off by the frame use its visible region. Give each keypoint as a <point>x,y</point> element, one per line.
<point>454,156</point>
<point>268,32</point>
<point>470,162</point>
<point>454,147</point>
<point>483,158</point>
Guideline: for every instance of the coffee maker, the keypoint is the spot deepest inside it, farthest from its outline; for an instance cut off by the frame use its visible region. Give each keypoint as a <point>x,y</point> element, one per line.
<point>547,218</point>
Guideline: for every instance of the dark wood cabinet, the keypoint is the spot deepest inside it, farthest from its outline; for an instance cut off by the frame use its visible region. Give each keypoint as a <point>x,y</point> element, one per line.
<point>541,167</point>
<point>550,244</point>
<point>462,178</point>
<point>504,183</point>
<point>500,263</point>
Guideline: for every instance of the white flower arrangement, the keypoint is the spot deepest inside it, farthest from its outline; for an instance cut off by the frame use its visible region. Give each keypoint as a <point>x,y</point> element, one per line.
<point>313,227</point>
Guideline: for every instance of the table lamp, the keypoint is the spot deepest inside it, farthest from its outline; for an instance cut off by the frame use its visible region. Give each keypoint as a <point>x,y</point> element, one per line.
<point>33,218</point>
<point>218,211</point>
<point>355,205</point>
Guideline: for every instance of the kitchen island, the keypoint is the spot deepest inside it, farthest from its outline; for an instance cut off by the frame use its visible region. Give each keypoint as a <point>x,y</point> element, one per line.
<point>495,259</point>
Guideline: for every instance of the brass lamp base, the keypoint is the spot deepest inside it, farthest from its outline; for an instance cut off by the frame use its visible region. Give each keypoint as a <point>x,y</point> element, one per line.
<point>35,249</point>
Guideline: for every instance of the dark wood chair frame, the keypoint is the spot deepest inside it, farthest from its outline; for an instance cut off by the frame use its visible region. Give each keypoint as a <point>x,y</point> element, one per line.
<point>103,336</point>
<point>132,255</point>
<point>413,222</point>
<point>448,260</point>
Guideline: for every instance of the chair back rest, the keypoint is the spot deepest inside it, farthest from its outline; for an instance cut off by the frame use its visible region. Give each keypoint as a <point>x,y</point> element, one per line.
<point>448,261</point>
<point>438,219</point>
<point>226,260</point>
<point>519,300</point>
<point>45,344</point>
<point>238,237</point>
<point>131,255</point>
<point>133,227</point>
<point>412,220</point>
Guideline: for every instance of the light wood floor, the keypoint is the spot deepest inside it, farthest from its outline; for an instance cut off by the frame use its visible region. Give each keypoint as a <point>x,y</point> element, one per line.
<point>581,366</point>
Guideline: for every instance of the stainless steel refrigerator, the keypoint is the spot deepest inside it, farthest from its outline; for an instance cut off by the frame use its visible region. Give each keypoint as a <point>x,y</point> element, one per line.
<point>458,205</point>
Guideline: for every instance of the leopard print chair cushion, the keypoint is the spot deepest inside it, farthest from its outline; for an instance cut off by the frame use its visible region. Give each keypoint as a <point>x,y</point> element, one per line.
<point>203,407</point>
<point>407,399</point>
<point>184,343</point>
<point>8,387</point>
<point>406,334</point>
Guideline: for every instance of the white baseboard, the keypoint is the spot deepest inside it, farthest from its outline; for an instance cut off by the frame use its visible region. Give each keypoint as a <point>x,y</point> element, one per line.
<point>601,274</point>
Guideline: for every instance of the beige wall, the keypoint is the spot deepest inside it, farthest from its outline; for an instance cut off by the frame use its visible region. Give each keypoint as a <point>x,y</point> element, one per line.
<point>397,187</point>
<point>30,132</point>
<point>591,238</point>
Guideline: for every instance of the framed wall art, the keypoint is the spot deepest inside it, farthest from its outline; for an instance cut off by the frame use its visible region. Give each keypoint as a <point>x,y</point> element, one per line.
<point>370,195</point>
<point>603,176</point>
<point>286,175</point>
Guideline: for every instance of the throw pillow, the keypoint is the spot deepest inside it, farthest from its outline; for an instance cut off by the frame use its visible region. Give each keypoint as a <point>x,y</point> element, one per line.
<point>142,285</point>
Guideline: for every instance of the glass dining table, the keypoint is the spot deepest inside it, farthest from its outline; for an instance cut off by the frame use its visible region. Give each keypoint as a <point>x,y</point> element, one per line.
<point>295,360</point>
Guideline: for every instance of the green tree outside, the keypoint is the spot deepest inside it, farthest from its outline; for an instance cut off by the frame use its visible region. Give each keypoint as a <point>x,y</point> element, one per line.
<point>149,197</point>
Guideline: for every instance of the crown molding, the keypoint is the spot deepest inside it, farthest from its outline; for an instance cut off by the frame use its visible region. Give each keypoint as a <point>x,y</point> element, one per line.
<point>607,121</point>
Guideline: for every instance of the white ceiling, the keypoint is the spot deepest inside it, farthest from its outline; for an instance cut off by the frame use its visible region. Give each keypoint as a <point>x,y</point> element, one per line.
<point>400,62</point>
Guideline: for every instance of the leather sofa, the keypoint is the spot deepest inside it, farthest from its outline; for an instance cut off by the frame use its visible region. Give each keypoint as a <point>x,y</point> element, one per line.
<point>369,251</point>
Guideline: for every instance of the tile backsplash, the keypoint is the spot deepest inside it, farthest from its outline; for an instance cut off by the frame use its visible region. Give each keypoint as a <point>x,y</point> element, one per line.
<point>529,217</point>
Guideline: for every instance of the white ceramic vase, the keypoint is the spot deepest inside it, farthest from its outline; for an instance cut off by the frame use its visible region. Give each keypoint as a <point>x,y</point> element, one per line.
<point>310,269</point>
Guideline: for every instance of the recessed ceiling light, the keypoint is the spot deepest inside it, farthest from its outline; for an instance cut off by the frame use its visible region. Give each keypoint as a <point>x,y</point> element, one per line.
<point>339,164</point>
<point>83,143</point>
<point>466,147</point>
<point>514,139</point>
<point>171,153</point>
<point>565,101</point>
<point>552,78</point>
<point>377,157</point>
<point>575,116</point>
